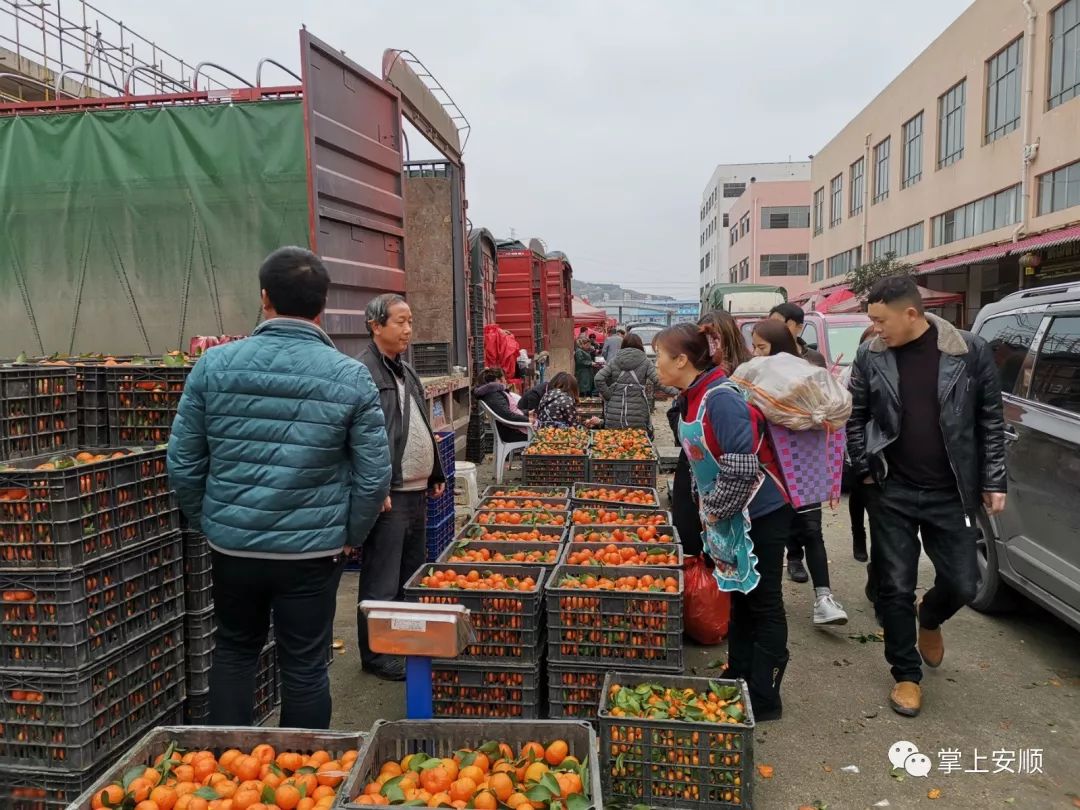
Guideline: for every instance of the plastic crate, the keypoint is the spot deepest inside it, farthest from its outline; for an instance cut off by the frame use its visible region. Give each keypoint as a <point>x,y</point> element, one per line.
<point>68,619</point>
<point>198,572</point>
<point>439,536</point>
<point>577,500</point>
<point>641,629</point>
<point>551,552</point>
<point>142,402</point>
<point>38,412</point>
<point>267,687</point>
<point>26,788</point>
<point>74,719</point>
<point>623,473</point>
<point>667,548</point>
<point>62,519</point>
<point>526,518</point>
<point>512,534</point>
<point>553,470</point>
<point>521,491</point>
<point>573,690</point>
<point>445,446</point>
<point>219,739</point>
<point>715,760</point>
<point>487,690</point>
<point>606,533</point>
<point>535,504</point>
<point>438,509</point>
<point>396,739</point>
<point>606,516</point>
<point>507,624</point>
<point>431,359</point>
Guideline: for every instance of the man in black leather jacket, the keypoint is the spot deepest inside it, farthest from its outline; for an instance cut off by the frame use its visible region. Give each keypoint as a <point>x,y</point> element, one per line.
<point>926,438</point>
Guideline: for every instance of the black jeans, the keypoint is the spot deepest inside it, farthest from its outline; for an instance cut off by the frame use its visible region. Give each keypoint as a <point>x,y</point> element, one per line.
<point>758,618</point>
<point>393,551</point>
<point>302,594</point>
<point>806,535</point>
<point>898,513</point>
<point>684,509</point>
<point>856,510</point>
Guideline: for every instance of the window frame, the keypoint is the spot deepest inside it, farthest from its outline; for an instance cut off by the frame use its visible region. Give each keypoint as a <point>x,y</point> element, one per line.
<point>913,151</point>
<point>857,186</point>
<point>1034,341</point>
<point>817,213</point>
<point>789,259</point>
<point>995,81</point>
<point>951,125</point>
<point>836,200</point>
<point>881,170</point>
<point>1057,58</point>
<point>1049,180</point>
<point>1030,372</point>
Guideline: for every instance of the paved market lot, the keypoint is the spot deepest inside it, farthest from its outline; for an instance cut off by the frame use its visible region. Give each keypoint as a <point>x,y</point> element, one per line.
<point>1009,687</point>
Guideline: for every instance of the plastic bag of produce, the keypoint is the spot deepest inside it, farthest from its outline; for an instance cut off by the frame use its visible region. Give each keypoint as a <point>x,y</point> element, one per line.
<point>706,609</point>
<point>793,393</point>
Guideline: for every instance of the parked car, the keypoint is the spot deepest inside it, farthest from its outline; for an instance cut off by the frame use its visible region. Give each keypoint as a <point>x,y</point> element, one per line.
<point>1033,547</point>
<point>835,336</point>
<point>646,331</point>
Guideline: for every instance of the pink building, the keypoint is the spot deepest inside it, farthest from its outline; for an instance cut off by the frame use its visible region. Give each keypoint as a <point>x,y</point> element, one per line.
<point>769,236</point>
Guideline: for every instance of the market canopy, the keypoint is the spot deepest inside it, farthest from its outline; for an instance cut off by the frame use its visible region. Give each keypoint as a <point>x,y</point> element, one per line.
<point>932,299</point>
<point>585,314</point>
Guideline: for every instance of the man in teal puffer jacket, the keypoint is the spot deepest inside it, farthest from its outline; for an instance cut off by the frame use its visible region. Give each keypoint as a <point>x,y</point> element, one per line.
<point>279,454</point>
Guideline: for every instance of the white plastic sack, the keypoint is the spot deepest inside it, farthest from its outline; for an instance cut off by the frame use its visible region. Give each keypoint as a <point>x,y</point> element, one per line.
<point>793,393</point>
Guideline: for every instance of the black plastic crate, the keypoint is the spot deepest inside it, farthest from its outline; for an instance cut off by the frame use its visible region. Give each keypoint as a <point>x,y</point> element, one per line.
<point>553,470</point>
<point>507,624</point>
<point>198,574</point>
<point>561,493</point>
<point>623,473</point>
<point>660,535</point>
<point>142,402</point>
<point>577,497</point>
<point>642,629</point>
<point>396,739</point>
<point>606,516</point>
<point>439,536</point>
<point>73,719</point>
<point>26,788</point>
<point>38,411</point>
<point>547,554</point>
<point>267,688</point>
<point>714,761</point>
<point>68,619</point>
<point>498,691</point>
<point>671,554</point>
<point>431,359</point>
<point>60,519</point>
<point>525,518</point>
<point>512,534</point>
<point>573,690</point>
<point>441,507</point>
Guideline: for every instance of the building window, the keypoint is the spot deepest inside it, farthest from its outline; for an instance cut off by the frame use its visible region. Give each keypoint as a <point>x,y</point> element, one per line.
<point>951,125</point>
<point>702,270</point>
<point>881,170</point>
<point>841,263</point>
<point>708,256</point>
<point>1064,52</point>
<point>733,274</point>
<point>858,185</point>
<point>983,215</point>
<point>817,271</point>
<point>1059,189</point>
<point>744,225</point>
<point>734,189</point>
<point>903,242</point>
<point>725,220</point>
<point>733,235</point>
<point>784,264</point>
<point>819,210</point>
<point>785,216</point>
<point>1003,91</point>
<point>913,151</point>
<point>836,200</point>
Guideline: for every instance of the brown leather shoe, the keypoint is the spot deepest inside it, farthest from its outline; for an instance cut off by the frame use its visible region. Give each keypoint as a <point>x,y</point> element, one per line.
<point>906,698</point>
<point>931,644</point>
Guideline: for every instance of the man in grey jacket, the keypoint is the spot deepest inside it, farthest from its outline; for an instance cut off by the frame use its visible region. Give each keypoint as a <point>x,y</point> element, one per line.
<point>397,545</point>
<point>612,344</point>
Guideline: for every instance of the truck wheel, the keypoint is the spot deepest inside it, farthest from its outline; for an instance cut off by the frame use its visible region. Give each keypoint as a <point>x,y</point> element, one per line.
<point>993,595</point>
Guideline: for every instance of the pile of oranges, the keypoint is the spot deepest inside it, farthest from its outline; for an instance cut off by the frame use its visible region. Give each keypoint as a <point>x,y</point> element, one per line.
<point>621,554</point>
<point>489,777</point>
<point>647,583</point>
<point>618,517</point>
<point>641,534</point>
<point>637,497</point>
<point>530,518</point>
<point>448,578</point>
<point>526,504</point>
<point>626,444</point>
<point>260,780</point>
<point>530,492</point>
<point>501,535</point>
<point>464,553</point>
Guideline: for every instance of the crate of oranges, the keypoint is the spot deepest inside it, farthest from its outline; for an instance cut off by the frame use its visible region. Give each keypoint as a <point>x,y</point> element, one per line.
<point>272,766</point>
<point>673,741</point>
<point>666,555</point>
<point>623,458</point>
<point>37,410</point>
<point>616,614</point>
<point>545,764</point>
<point>512,690</point>
<point>556,457</point>
<point>517,491</point>
<point>523,504</point>
<point>601,515</point>
<point>511,534</point>
<point>588,494</point>
<point>546,518</point>
<point>508,552</point>
<point>662,534</point>
<point>505,602</point>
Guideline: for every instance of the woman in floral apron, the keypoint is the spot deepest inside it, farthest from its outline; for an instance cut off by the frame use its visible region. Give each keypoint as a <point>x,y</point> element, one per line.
<point>746,517</point>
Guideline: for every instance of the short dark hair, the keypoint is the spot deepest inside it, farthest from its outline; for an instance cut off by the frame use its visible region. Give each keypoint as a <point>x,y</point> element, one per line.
<point>564,381</point>
<point>378,309</point>
<point>896,290</point>
<point>777,336</point>
<point>789,312</point>
<point>295,281</point>
<point>633,341</point>
<point>490,374</point>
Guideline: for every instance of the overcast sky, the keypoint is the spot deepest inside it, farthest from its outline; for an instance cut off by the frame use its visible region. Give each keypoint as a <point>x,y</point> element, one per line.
<point>596,123</point>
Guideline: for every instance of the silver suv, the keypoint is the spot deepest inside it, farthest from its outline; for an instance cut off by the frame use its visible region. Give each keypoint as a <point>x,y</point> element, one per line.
<point>1033,547</point>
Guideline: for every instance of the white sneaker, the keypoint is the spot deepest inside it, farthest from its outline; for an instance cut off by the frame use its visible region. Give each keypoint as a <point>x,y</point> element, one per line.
<point>828,611</point>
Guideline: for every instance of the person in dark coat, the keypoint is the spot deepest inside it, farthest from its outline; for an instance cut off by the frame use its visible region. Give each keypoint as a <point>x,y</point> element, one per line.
<point>492,391</point>
<point>583,366</point>
<point>627,385</point>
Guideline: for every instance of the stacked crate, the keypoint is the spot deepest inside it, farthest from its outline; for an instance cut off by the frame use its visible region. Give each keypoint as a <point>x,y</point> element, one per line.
<point>91,637</point>
<point>440,510</point>
<point>199,626</point>
<point>142,401</point>
<point>37,410</point>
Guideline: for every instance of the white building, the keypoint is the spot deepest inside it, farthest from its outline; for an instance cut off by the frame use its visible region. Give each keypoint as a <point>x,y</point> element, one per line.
<point>726,185</point>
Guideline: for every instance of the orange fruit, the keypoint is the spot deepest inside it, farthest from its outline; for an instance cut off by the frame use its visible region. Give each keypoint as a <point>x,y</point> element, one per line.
<point>482,762</point>
<point>306,803</point>
<point>501,785</point>
<point>164,797</point>
<point>452,767</point>
<point>140,789</point>
<point>391,768</point>
<point>436,780</point>
<point>472,772</point>
<point>322,791</point>
<point>485,800</point>
<point>318,758</point>
<point>246,767</point>
<point>439,800</point>
<point>536,771</point>
<point>556,753</point>
<point>264,753</point>
<point>327,773</point>
<point>532,751</point>
<point>463,789</point>
<point>287,797</point>
<point>146,805</point>
<point>569,783</point>
<point>518,800</point>
<point>244,798</point>
<point>110,795</point>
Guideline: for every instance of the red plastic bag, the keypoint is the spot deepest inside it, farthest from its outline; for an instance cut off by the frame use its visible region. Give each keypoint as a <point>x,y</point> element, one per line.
<point>706,608</point>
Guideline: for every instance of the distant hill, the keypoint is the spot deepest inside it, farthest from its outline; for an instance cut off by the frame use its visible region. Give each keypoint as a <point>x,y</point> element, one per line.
<point>597,292</point>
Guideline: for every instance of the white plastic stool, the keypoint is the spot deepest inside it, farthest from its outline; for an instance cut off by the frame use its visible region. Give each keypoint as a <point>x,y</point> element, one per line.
<point>465,472</point>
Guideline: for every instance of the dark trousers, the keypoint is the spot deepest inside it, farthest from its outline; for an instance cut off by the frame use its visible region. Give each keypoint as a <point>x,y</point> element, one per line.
<point>684,508</point>
<point>393,551</point>
<point>898,513</point>
<point>806,536</point>
<point>302,594</point>
<point>758,617</point>
<point>856,510</point>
